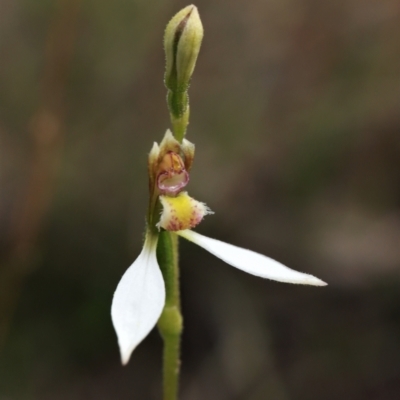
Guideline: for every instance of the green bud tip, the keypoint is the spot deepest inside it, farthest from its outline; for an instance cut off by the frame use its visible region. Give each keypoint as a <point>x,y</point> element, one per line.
<point>182,42</point>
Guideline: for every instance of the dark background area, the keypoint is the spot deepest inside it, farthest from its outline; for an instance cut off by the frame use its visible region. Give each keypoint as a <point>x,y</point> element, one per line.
<point>295,116</point>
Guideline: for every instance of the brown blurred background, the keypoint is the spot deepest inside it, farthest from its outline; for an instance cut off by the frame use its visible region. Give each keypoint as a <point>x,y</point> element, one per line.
<point>295,114</point>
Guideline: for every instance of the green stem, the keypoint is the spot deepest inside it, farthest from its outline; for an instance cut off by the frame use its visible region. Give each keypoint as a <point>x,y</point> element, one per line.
<point>170,322</point>
<point>178,105</point>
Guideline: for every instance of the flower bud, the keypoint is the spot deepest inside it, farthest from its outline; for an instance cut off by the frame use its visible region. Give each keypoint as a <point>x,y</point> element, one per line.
<point>182,41</point>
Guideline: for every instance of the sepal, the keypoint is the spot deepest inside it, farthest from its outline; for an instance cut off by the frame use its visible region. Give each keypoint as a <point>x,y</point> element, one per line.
<point>250,261</point>
<point>138,300</point>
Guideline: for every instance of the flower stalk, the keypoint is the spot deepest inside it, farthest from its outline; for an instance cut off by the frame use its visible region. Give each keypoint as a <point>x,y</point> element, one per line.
<point>182,41</point>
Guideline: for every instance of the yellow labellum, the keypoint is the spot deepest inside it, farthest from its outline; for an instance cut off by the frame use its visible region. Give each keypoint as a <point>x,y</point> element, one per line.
<point>181,212</point>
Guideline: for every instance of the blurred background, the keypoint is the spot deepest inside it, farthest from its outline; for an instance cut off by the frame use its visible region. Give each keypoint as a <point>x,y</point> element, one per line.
<point>295,115</point>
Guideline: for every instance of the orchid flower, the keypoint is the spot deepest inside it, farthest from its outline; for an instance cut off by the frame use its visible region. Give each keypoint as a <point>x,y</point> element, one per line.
<point>140,295</point>
<point>148,292</point>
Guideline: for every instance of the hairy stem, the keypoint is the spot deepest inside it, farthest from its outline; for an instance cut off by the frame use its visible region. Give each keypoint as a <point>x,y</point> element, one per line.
<point>178,105</point>
<point>170,322</point>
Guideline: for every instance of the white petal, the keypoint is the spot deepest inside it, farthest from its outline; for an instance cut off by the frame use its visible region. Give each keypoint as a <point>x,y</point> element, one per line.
<point>138,300</point>
<point>250,261</point>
